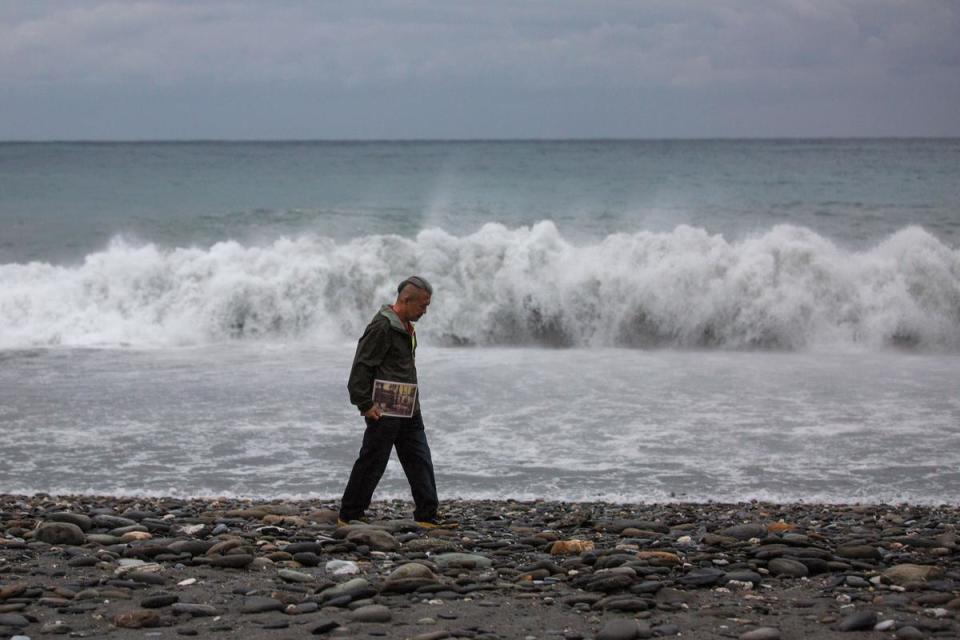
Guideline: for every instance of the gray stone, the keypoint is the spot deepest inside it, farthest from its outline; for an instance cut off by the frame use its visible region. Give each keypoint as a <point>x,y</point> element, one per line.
<point>788,567</point>
<point>307,558</point>
<point>13,620</point>
<point>934,599</point>
<point>346,588</point>
<point>744,531</point>
<point>261,604</point>
<point>371,613</point>
<point>647,586</point>
<point>742,576</point>
<point>112,522</point>
<point>705,577</point>
<point>196,610</point>
<point>193,547</point>
<point>376,539</point>
<point>608,582</point>
<point>407,585</point>
<point>303,547</point>
<point>82,521</point>
<point>104,539</point>
<point>624,604</point>
<point>60,533</point>
<point>139,619</point>
<point>233,561</point>
<point>82,561</point>
<point>324,516</point>
<point>159,601</point>
<point>858,621</point>
<point>304,607</point>
<point>762,633</point>
<point>857,582</point>
<point>275,623</point>
<point>462,560</point>
<point>909,633</point>
<point>906,573</point>
<point>642,525</point>
<point>795,538</point>
<point>431,635</point>
<point>121,531</point>
<point>289,575</point>
<point>858,552</point>
<point>411,570</point>
<point>146,577</point>
<point>399,526</point>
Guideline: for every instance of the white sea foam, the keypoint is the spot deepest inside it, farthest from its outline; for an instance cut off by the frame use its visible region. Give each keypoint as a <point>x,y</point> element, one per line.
<point>787,288</point>
<point>269,420</point>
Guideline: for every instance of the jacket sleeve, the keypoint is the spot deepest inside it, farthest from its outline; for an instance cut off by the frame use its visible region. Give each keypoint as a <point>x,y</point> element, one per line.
<point>371,350</point>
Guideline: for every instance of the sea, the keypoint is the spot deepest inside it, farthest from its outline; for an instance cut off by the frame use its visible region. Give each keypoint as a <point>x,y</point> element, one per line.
<point>632,321</point>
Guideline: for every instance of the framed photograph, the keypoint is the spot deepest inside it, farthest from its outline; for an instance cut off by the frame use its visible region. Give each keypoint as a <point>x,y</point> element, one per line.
<point>395,398</point>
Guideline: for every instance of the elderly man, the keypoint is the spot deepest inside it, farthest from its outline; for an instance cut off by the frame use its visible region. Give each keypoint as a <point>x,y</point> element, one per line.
<point>386,358</point>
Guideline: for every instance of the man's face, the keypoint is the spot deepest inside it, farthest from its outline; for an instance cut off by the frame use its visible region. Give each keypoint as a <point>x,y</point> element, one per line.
<point>417,305</point>
<point>412,303</point>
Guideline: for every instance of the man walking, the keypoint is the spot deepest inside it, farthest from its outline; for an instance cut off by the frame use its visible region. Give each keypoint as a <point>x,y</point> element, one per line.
<point>386,352</point>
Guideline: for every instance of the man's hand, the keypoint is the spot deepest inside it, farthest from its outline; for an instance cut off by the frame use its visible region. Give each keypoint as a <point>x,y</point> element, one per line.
<point>373,413</point>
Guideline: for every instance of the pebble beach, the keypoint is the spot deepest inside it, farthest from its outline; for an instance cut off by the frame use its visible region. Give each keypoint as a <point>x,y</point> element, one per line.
<point>134,567</point>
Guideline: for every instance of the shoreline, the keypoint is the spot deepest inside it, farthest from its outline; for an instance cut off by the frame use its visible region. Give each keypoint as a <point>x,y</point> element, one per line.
<point>145,567</point>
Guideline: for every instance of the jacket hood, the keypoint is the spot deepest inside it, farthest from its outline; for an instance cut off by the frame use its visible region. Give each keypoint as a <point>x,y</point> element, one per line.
<point>392,316</point>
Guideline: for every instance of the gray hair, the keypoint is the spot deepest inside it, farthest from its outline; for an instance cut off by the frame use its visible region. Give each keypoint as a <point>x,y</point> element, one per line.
<point>416,281</point>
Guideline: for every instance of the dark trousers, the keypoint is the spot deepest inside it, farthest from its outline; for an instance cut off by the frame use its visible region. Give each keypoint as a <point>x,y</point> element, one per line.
<point>407,435</point>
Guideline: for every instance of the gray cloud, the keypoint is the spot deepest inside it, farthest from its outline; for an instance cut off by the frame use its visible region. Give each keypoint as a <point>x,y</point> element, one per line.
<point>789,67</point>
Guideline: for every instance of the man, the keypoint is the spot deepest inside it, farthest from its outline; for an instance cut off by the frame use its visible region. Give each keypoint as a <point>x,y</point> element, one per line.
<point>387,352</point>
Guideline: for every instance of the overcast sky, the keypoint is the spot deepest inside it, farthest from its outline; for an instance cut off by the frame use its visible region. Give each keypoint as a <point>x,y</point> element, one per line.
<point>478,69</point>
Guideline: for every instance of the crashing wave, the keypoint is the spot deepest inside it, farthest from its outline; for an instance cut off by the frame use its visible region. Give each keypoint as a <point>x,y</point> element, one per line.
<point>788,288</point>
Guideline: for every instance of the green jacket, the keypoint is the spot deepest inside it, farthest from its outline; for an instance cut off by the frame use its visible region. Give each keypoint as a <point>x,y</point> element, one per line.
<point>385,352</point>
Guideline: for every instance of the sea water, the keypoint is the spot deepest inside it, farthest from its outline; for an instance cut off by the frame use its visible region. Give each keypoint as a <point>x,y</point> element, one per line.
<point>615,320</point>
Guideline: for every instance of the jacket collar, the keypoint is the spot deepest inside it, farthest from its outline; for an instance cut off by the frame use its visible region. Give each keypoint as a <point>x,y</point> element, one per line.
<point>394,319</point>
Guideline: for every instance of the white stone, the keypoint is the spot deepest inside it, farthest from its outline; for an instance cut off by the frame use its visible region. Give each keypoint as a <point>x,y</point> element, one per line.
<point>128,565</point>
<point>342,567</point>
<point>131,562</point>
<point>190,529</point>
<point>295,576</point>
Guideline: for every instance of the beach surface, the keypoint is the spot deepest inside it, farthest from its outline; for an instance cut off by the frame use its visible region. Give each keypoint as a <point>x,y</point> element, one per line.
<point>135,567</point>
